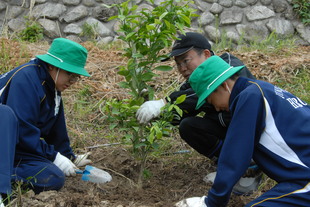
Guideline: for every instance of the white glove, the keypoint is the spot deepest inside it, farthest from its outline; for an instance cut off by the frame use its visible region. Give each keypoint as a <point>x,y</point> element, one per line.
<point>1,203</point>
<point>81,160</point>
<point>65,165</point>
<point>149,110</point>
<point>192,202</point>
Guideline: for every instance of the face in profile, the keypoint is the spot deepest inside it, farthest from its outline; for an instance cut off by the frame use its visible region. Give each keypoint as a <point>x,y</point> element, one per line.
<point>63,79</point>
<point>189,61</point>
<point>220,98</point>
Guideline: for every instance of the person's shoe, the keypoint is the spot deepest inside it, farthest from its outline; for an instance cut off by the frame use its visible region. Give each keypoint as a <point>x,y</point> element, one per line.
<point>1,203</point>
<point>246,184</point>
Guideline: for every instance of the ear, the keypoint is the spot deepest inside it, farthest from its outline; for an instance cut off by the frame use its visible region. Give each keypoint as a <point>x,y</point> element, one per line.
<point>207,53</point>
<point>225,86</point>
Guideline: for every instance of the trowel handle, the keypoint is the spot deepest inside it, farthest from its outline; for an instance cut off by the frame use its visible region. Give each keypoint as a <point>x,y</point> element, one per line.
<point>78,171</point>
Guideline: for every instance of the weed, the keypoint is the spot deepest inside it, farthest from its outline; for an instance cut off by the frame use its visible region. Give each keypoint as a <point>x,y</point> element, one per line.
<point>272,44</point>
<point>4,57</point>
<point>223,43</point>
<point>90,31</point>
<point>11,54</point>
<point>299,85</point>
<point>19,188</point>
<point>33,31</point>
<point>302,7</point>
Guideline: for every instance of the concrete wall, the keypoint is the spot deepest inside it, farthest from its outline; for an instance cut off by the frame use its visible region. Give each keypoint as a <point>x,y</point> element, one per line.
<point>249,19</point>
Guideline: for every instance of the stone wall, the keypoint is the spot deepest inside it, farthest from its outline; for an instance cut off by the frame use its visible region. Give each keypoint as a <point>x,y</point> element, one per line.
<point>249,19</point>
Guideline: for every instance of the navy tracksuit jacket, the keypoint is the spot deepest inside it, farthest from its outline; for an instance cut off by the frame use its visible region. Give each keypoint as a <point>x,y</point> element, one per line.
<point>272,126</point>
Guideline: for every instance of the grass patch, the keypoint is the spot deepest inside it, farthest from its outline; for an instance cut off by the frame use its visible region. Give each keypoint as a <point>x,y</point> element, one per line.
<point>274,44</point>
<point>299,84</point>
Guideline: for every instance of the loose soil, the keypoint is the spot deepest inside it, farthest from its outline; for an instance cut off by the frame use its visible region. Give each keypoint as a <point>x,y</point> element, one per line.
<point>172,176</point>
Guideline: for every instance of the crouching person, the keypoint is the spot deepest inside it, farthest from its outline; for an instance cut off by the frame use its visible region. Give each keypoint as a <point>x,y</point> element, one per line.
<point>43,156</point>
<point>268,123</point>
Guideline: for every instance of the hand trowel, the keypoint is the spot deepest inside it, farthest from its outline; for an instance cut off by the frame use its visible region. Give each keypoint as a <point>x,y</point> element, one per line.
<point>95,175</point>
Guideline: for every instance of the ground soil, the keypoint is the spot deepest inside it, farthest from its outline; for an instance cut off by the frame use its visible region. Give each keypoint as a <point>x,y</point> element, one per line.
<point>172,176</point>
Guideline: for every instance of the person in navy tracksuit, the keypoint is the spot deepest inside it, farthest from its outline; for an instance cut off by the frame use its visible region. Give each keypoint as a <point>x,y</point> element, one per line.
<point>269,124</point>
<point>43,156</point>
<point>8,140</point>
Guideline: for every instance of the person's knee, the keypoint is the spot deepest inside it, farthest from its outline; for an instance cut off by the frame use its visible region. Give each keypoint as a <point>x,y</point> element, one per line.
<point>53,179</point>
<point>43,178</point>
<point>185,128</point>
<point>8,113</point>
<point>201,136</point>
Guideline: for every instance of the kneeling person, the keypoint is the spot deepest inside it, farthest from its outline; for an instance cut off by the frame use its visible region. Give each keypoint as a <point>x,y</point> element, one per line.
<point>261,114</point>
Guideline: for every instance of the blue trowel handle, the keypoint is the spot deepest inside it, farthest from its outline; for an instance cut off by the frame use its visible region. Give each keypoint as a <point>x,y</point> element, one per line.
<point>82,172</point>
<point>78,171</point>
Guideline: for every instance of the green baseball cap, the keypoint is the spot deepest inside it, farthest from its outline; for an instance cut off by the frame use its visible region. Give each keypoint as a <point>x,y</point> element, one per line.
<point>67,55</point>
<point>210,75</point>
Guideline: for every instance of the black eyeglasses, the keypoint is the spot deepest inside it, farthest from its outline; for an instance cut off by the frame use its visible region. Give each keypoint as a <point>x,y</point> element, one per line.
<point>73,77</point>
<point>186,61</point>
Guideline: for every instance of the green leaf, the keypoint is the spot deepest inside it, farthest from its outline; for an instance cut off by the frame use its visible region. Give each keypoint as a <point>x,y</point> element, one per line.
<point>150,27</point>
<point>147,76</point>
<point>186,19</point>
<point>128,136</point>
<point>157,21</point>
<point>136,128</point>
<point>163,15</point>
<point>130,35</point>
<point>115,111</point>
<point>179,111</point>
<point>140,145</point>
<point>121,17</point>
<point>123,72</point>
<point>163,68</point>
<point>137,55</point>
<point>151,137</point>
<point>180,99</point>
<point>123,84</point>
<point>113,125</point>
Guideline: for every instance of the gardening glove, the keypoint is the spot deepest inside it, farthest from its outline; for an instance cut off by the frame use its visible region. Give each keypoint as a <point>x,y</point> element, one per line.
<point>149,110</point>
<point>192,202</point>
<point>81,160</point>
<point>1,201</point>
<point>65,165</point>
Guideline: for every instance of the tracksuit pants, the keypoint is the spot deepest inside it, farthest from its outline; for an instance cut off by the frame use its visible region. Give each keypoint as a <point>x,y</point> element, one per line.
<point>8,141</point>
<point>205,134</point>
<point>41,174</point>
<point>285,194</point>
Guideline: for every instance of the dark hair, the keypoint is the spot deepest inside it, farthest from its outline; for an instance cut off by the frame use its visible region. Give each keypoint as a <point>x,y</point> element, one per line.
<point>235,76</point>
<point>199,51</point>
